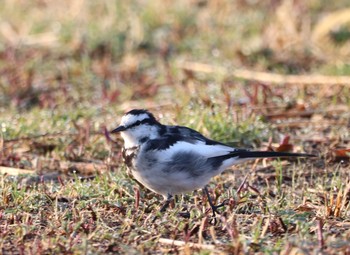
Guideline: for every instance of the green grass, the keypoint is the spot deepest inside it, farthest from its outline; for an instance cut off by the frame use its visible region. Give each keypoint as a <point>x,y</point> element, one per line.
<point>69,70</point>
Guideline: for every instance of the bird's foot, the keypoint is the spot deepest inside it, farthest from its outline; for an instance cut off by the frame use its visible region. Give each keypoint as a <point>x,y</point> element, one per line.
<point>164,207</point>
<point>185,214</point>
<point>214,209</point>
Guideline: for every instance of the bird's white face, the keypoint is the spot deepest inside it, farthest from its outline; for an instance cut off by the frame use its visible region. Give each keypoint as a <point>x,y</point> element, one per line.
<point>130,119</point>
<point>137,127</point>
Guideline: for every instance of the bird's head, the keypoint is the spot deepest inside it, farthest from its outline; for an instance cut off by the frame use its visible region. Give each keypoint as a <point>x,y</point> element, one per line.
<point>137,126</point>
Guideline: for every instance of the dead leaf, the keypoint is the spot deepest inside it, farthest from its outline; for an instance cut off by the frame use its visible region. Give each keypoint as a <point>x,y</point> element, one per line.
<point>285,146</point>
<point>342,153</point>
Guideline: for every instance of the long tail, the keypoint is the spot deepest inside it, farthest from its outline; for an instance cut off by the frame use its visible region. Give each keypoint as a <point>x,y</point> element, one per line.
<point>239,156</point>
<point>245,154</point>
<point>266,154</point>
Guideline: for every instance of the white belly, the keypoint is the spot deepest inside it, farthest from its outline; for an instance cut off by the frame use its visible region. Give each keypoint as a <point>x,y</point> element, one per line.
<point>170,183</point>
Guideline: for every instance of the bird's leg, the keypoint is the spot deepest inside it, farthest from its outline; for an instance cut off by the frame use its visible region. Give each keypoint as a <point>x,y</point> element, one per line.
<point>184,213</point>
<point>214,208</point>
<point>166,203</point>
<point>164,206</point>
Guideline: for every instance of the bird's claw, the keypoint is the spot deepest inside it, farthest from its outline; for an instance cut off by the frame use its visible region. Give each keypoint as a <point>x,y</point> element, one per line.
<point>214,209</point>
<point>185,215</point>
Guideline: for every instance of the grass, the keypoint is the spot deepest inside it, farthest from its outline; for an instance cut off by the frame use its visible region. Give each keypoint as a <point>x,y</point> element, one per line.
<point>68,71</point>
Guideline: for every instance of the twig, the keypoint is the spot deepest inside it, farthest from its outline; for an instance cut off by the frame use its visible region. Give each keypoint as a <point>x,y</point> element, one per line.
<point>265,228</point>
<point>294,124</point>
<point>243,183</point>
<point>182,243</point>
<point>84,168</point>
<point>266,77</point>
<point>320,234</point>
<point>15,171</point>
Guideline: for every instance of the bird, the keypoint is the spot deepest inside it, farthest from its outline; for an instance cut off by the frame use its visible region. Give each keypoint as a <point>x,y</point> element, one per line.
<point>172,160</point>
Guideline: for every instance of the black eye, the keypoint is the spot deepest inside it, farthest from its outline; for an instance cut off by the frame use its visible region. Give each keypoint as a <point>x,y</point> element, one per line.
<point>137,123</point>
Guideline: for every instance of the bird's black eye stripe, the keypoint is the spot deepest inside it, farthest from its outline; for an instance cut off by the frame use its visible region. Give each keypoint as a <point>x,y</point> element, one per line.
<point>145,121</point>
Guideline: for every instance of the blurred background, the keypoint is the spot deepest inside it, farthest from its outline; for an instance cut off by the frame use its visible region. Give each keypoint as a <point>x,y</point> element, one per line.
<point>67,66</point>
<point>133,48</point>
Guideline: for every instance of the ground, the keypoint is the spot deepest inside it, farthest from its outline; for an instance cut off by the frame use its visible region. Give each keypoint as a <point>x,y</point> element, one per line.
<point>268,75</point>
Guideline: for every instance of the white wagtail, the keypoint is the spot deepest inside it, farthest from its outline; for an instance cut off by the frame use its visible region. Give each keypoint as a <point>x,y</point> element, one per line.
<point>172,160</point>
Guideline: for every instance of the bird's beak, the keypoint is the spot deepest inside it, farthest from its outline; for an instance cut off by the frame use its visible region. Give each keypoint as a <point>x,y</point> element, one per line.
<point>118,129</point>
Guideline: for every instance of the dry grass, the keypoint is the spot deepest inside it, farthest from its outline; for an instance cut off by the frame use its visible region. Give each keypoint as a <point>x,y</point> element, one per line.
<point>69,69</point>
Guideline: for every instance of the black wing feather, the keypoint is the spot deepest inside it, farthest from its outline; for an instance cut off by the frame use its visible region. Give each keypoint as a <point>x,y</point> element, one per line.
<point>189,132</point>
